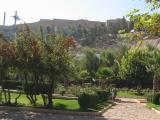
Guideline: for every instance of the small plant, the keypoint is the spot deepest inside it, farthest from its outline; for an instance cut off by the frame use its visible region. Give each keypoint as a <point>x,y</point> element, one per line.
<point>86,100</point>
<point>103,95</point>
<point>154,98</point>
<point>73,90</point>
<point>61,89</point>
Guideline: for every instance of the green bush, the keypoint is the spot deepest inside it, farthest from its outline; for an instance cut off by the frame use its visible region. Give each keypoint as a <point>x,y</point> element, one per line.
<point>103,95</point>
<point>84,90</point>
<point>149,98</point>
<point>61,89</point>
<point>30,89</point>
<point>33,89</point>
<point>10,84</point>
<point>43,88</point>
<point>86,100</point>
<point>88,97</point>
<point>73,90</point>
<point>154,98</point>
<point>94,99</point>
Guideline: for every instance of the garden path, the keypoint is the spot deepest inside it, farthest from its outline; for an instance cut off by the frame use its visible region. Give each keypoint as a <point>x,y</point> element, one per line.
<point>127,109</point>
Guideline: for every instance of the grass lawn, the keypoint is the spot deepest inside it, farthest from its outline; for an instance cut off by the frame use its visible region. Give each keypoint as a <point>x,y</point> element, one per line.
<point>125,94</point>
<point>59,104</point>
<point>151,105</point>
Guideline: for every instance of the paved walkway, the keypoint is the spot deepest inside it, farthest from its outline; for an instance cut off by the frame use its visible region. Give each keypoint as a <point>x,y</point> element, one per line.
<point>8,115</point>
<point>127,109</point>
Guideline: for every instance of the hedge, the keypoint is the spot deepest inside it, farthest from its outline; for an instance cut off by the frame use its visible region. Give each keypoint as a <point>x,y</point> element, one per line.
<point>154,98</point>
<point>36,89</point>
<point>86,100</point>
<point>103,95</point>
<point>10,84</point>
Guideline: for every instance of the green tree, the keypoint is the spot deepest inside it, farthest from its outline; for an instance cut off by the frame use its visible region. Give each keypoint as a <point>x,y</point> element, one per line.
<point>107,58</point>
<point>103,74</point>
<point>148,24</point>
<point>58,60</point>
<point>90,62</point>
<point>84,75</point>
<point>133,67</point>
<point>7,61</point>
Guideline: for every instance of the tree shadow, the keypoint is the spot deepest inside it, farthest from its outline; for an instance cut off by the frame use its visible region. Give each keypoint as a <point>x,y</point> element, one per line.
<point>26,115</point>
<point>60,106</point>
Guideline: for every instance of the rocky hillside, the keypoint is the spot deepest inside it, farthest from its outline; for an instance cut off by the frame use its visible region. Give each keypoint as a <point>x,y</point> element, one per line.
<point>86,33</point>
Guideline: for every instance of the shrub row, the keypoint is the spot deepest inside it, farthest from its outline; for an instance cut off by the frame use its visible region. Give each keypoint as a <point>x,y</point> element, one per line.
<point>88,99</point>
<point>36,89</point>
<point>103,95</point>
<point>154,98</point>
<point>135,90</point>
<point>29,88</point>
<point>10,84</point>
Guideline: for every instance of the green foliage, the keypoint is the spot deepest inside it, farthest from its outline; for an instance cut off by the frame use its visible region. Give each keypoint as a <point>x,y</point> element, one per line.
<point>103,95</point>
<point>104,73</point>
<point>108,57</point>
<point>149,98</point>
<point>73,90</point>
<point>30,89</point>
<point>11,85</point>
<point>84,75</point>
<point>133,66</point>
<point>129,94</point>
<point>36,89</point>
<point>90,61</point>
<point>147,22</point>
<point>86,100</point>
<point>154,98</point>
<point>85,90</point>
<point>154,61</point>
<point>61,89</point>
<point>155,4</point>
<point>151,105</point>
<point>83,101</point>
<point>89,97</point>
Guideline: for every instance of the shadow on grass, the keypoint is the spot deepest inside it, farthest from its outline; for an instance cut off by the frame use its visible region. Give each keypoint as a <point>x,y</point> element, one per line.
<point>60,106</point>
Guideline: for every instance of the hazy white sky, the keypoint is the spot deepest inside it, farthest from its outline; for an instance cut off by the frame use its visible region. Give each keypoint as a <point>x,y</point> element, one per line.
<point>100,10</point>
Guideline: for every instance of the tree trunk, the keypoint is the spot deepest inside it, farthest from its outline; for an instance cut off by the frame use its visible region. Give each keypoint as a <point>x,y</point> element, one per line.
<point>51,90</point>
<point>5,96</point>
<point>50,103</point>
<point>156,84</point>
<point>44,99</point>
<point>9,97</point>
